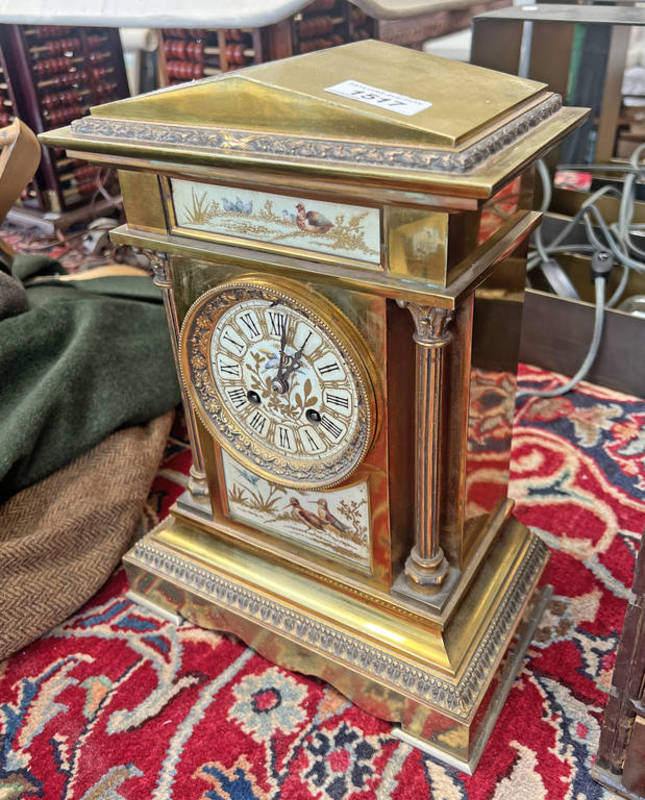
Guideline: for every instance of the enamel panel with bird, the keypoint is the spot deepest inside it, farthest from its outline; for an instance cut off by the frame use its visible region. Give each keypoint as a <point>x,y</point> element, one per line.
<point>335,522</point>
<point>336,228</point>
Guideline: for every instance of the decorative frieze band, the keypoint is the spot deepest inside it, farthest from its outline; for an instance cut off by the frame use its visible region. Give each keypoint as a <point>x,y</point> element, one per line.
<point>457,699</point>
<point>301,147</point>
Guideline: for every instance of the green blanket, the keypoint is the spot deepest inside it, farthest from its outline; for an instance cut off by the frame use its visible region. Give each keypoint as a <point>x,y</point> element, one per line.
<point>86,358</point>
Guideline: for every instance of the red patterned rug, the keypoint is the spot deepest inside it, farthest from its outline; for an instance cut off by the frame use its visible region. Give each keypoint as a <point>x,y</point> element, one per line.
<point>115,704</point>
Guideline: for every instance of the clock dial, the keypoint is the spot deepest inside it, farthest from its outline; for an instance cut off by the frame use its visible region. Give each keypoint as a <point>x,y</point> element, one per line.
<point>279,379</point>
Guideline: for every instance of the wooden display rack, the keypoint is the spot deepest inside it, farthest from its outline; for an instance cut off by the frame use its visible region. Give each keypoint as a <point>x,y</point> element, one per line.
<point>187,54</point>
<point>52,75</point>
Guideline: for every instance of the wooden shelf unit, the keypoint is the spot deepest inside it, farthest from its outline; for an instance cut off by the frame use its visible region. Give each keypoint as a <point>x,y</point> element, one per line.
<point>54,74</point>
<point>187,54</point>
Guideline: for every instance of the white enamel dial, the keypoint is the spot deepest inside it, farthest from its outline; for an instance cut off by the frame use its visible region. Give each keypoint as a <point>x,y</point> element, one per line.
<point>280,381</point>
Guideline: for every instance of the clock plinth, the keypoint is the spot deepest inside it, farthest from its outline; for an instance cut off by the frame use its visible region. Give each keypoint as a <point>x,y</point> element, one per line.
<point>441,676</point>
<point>346,330</point>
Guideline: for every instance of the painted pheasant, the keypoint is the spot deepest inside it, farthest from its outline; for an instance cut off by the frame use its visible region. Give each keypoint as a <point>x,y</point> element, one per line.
<point>312,221</point>
<point>327,518</point>
<point>309,518</point>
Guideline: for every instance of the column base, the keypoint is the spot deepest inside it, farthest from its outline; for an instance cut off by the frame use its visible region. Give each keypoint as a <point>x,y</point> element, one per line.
<point>198,485</point>
<point>426,572</point>
<point>433,597</point>
<point>196,499</point>
<point>200,506</point>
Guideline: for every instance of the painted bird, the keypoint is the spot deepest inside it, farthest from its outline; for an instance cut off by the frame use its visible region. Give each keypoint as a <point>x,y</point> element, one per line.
<point>309,518</point>
<point>312,221</point>
<point>248,476</point>
<point>327,518</point>
<point>243,208</point>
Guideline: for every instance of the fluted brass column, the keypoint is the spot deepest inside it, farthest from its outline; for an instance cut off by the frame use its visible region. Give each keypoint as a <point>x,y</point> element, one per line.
<point>426,565</point>
<point>197,485</point>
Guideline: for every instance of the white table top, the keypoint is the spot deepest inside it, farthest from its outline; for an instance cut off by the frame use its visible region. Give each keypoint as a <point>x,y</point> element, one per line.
<point>196,14</point>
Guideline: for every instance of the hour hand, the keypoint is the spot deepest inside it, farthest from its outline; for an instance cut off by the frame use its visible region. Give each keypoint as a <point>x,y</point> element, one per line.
<point>294,363</point>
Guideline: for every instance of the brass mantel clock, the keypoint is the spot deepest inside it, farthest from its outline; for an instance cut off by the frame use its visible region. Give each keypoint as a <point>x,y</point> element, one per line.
<point>347,340</point>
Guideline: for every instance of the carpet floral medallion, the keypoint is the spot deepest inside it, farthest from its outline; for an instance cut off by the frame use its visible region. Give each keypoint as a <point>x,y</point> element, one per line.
<point>117,704</point>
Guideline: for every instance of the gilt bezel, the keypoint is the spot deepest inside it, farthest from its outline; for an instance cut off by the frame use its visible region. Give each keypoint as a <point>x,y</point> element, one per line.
<point>197,373</point>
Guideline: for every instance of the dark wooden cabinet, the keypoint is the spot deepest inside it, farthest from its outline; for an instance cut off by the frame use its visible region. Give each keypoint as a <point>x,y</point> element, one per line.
<point>620,763</point>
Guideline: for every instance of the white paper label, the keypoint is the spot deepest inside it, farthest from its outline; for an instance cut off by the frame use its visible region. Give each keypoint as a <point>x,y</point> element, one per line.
<point>373,96</point>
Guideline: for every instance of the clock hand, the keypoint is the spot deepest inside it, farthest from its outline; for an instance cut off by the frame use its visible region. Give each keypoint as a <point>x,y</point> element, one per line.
<point>279,384</point>
<point>283,356</point>
<point>295,360</point>
<point>293,365</point>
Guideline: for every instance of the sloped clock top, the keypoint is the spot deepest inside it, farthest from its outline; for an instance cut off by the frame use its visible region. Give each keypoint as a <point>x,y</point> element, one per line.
<point>363,110</point>
<point>292,96</point>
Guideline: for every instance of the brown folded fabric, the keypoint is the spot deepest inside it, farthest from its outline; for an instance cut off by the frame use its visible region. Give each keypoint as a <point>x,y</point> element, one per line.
<point>61,538</point>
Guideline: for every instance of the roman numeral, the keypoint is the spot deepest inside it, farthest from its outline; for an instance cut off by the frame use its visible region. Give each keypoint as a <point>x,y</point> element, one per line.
<point>330,426</point>
<point>313,444</point>
<point>278,322</point>
<point>327,368</point>
<point>257,421</point>
<point>337,400</point>
<point>237,396</point>
<point>284,439</point>
<point>238,345</point>
<point>249,323</point>
<point>232,369</point>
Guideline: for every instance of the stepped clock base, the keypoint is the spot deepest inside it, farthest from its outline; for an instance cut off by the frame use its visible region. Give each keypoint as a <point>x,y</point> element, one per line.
<point>507,673</point>
<point>443,678</point>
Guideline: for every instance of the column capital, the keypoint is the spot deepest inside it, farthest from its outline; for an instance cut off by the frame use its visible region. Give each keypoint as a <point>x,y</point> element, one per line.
<point>431,323</point>
<point>160,264</point>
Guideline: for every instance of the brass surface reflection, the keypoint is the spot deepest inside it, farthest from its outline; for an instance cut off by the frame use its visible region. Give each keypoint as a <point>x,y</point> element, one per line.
<point>497,320</point>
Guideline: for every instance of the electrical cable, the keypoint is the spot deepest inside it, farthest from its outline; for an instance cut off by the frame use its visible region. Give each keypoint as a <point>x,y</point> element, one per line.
<point>615,238</point>
<point>535,258</point>
<point>601,266</point>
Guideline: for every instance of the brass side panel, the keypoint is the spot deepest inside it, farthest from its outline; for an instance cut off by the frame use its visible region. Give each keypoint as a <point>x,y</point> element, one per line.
<point>142,201</point>
<point>482,364</point>
<point>417,244</point>
<point>400,380</point>
<point>497,324</point>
